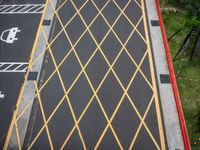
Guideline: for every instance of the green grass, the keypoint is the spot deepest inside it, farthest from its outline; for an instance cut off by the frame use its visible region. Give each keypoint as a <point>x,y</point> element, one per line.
<point>185,70</point>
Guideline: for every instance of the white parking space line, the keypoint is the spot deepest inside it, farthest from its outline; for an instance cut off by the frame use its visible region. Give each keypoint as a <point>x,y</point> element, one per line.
<point>22,9</point>
<point>13,67</point>
<point>16,7</point>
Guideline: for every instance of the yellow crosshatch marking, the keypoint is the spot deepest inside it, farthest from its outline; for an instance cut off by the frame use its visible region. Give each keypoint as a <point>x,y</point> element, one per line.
<point>95,95</point>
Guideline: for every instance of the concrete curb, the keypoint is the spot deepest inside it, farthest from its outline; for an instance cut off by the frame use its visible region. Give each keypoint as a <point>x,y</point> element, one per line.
<point>27,99</point>
<point>173,117</point>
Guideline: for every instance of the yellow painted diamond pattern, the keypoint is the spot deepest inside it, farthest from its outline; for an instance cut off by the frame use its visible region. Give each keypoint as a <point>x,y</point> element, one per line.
<point>111,117</point>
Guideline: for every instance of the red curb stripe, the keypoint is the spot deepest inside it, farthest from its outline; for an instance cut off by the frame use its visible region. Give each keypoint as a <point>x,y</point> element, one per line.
<point>173,81</point>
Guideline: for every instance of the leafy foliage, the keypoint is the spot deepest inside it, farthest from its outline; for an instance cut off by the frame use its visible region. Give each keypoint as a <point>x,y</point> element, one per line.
<point>193,13</point>
<point>192,8</point>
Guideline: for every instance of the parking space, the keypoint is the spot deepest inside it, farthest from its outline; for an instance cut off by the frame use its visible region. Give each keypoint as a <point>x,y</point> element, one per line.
<point>97,85</point>
<point>18,30</point>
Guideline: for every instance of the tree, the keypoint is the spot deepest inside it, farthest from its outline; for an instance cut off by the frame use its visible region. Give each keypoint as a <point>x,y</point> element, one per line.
<point>192,24</point>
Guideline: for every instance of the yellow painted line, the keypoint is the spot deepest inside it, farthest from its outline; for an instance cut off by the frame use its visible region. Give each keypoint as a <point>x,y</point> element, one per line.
<point>59,66</point>
<point>94,40</point>
<point>72,50</point>
<point>139,115</point>
<point>57,10</point>
<point>95,91</point>
<point>120,81</point>
<point>126,94</point>
<point>83,69</point>
<point>62,82</point>
<point>23,111</point>
<point>47,121</point>
<point>41,54</point>
<point>66,95</point>
<point>109,124</point>
<point>18,138</point>
<point>44,119</point>
<point>130,22</point>
<point>138,4</point>
<point>143,118</point>
<point>84,111</point>
<point>77,77</point>
<point>160,126</point>
<point>23,86</point>
<point>99,102</point>
<point>135,27</point>
<point>98,88</point>
<point>82,65</point>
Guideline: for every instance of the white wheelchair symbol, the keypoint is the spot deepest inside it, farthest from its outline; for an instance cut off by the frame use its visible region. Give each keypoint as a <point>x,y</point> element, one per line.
<point>11,36</point>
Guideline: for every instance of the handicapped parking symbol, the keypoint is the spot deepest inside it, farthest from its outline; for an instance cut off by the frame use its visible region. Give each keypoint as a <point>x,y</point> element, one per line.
<point>11,36</point>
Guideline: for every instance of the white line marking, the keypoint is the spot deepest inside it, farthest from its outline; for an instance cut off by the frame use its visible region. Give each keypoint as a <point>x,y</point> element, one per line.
<point>38,9</point>
<point>7,67</point>
<point>20,9</point>
<point>31,8</point>
<point>15,9</point>
<point>8,8</point>
<point>2,8</point>
<point>25,69</point>
<point>19,67</point>
<point>23,8</point>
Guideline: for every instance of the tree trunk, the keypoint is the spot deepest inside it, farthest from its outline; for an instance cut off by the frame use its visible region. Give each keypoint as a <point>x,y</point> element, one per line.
<point>194,46</point>
<point>184,45</point>
<point>174,34</point>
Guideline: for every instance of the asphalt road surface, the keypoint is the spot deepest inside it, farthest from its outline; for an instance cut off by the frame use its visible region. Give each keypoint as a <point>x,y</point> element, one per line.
<point>97,87</point>
<point>14,55</point>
